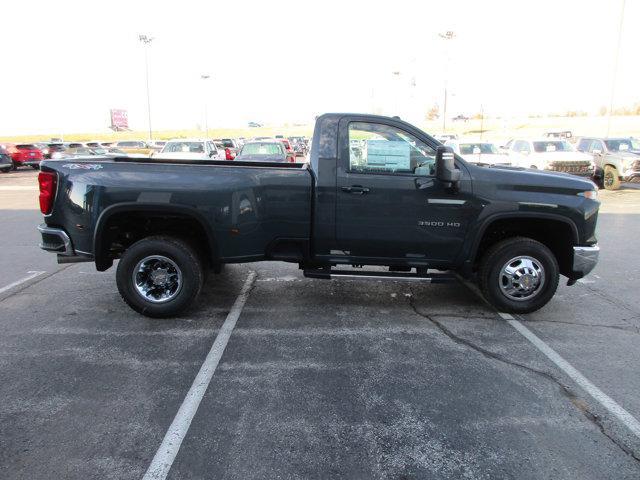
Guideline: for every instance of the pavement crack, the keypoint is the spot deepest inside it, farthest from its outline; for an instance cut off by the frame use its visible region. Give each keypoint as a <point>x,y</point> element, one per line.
<point>566,390</point>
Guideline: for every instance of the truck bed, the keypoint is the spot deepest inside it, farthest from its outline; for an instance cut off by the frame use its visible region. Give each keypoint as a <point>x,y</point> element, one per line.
<point>246,208</point>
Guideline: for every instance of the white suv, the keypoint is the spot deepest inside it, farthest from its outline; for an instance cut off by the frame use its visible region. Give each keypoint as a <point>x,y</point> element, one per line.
<point>549,154</point>
<point>191,149</point>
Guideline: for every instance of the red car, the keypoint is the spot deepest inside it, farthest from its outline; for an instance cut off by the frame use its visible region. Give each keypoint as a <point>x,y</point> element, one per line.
<point>24,154</point>
<point>291,155</point>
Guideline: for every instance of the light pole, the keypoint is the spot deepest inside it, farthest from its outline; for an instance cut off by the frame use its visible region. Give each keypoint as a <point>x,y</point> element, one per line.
<point>448,35</point>
<point>615,68</point>
<point>205,77</point>
<point>146,41</point>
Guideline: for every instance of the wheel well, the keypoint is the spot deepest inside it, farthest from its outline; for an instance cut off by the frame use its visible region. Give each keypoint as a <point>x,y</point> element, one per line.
<point>557,235</point>
<point>122,229</point>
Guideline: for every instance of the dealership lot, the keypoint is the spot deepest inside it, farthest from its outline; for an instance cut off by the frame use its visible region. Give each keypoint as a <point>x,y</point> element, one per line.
<point>319,379</point>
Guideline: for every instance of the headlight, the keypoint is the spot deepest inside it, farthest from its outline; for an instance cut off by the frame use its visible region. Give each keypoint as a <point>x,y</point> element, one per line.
<point>592,194</point>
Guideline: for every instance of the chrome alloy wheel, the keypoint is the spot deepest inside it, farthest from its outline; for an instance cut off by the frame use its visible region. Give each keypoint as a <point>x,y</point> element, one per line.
<point>522,278</point>
<point>157,279</point>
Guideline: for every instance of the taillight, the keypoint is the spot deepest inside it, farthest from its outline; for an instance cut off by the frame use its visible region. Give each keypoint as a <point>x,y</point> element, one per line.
<point>47,182</point>
<point>228,155</point>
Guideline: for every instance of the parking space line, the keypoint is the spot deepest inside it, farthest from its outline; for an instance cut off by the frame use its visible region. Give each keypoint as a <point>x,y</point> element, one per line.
<point>32,275</point>
<point>606,401</point>
<point>166,454</point>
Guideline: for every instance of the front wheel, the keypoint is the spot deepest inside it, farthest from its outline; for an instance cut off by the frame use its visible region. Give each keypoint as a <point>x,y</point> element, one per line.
<point>611,181</point>
<point>518,275</point>
<point>159,276</point>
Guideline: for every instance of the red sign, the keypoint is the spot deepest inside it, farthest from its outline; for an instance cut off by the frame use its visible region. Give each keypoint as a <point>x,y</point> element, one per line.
<point>119,120</point>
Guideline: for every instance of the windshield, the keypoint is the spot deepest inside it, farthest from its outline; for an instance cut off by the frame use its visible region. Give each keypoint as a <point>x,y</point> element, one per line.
<point>478,148</point>
<point>261,149</point>
<point>183,147</point>
<point>622,144</point>
<point>552,146</point>
<point>26,146</point>
<point>227,143</point>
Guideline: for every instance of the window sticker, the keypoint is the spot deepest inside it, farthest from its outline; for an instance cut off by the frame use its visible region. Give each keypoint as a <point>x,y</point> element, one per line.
<point>388,155</point>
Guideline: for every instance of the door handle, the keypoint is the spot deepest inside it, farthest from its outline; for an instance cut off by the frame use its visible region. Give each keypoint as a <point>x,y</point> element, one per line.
<point>356,189</point>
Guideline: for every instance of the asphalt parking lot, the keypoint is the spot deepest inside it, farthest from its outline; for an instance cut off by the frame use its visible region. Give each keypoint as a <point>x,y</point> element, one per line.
<point>319,379</point>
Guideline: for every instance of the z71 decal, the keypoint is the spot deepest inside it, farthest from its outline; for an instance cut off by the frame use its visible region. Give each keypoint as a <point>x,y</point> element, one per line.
<point>82,166</point>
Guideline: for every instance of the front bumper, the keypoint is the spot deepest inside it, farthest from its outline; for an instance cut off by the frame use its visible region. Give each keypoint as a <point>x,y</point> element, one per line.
<point>631,176</point>
<point>584,260</point>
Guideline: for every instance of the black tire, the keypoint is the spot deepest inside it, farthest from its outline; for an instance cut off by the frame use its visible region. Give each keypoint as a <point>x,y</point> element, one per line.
<point>610,179</point>
<point>490,274</point>
<point>6,170</point>
<point>183,256</point>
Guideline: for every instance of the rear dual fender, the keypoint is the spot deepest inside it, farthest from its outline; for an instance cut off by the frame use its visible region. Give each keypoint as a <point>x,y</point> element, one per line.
<point>101,259</point>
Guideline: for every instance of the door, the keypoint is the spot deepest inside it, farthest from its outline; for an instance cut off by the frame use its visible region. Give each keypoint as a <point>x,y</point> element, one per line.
<point>389,203</point>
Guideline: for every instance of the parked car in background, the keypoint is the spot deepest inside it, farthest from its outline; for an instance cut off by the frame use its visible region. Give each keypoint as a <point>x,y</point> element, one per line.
<point>550,154</point>
<point>86,152</point>
<point>479,153</point>
<point>460,118</point>
<point>24,154</point>
<point>264,151</point>
<point>44,149</point>
<point>232,145</point>
<point>616,159</point>
<point>289,148</point>
<point>134,146</point>
<point>6,164</point>
<point>299,146</point>
<point>93,144</point>
<point>157,145</point>
<point>191,149</point>
<point>254,125</point>
<point>55,148</point>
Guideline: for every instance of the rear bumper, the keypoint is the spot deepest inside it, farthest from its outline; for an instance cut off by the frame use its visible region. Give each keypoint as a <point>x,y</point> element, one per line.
<point>584,260</point>
<point>55,240</point>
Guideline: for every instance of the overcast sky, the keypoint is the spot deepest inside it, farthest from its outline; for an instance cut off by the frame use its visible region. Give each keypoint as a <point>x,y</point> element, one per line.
<point>65,64</point>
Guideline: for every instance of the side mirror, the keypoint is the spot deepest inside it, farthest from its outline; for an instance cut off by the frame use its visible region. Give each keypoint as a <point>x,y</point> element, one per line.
<point>445,166</point>
<point>212,153</point>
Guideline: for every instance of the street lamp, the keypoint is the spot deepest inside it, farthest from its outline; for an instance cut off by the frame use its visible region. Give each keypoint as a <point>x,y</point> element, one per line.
<point>448,35</point>
<point>146,41</point>
<point>205,77</point>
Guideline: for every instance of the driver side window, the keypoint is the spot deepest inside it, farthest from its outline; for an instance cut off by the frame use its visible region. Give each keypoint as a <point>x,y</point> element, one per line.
<point>378,148</point>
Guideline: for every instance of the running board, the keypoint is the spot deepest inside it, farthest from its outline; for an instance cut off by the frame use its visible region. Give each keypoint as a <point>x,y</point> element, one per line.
<point>364,275</point>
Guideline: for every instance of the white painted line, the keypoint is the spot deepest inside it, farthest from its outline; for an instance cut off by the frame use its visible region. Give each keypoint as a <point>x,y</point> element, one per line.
<point>607,402</point>
<point>31,275</point>
<point>166,454</point>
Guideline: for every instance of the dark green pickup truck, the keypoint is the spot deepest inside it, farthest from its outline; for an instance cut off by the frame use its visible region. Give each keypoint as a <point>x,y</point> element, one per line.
<point>376,192</point>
